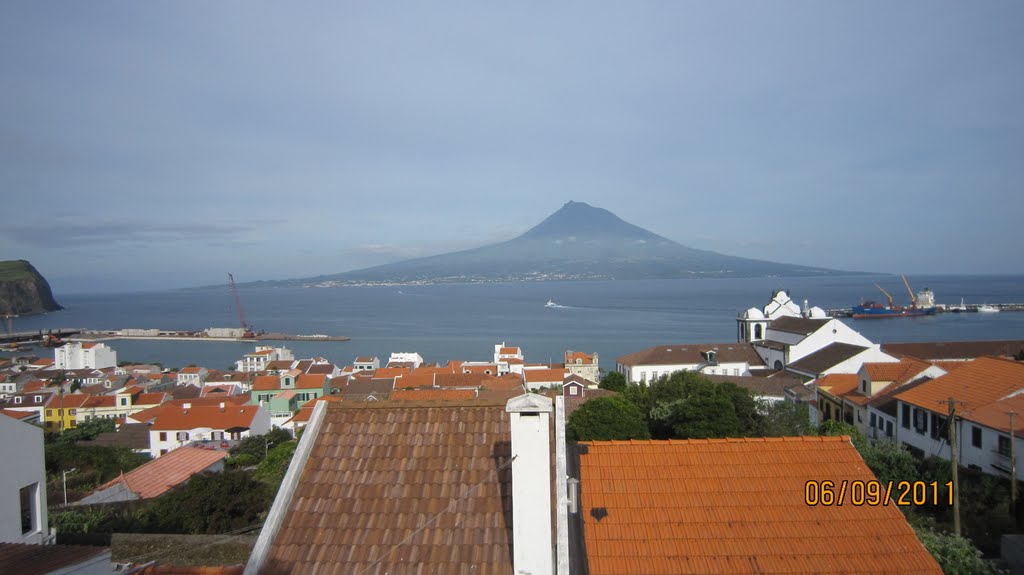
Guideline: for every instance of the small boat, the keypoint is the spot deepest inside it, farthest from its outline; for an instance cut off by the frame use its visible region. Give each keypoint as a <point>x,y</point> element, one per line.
<point>957,308</point>
<point>985,308</point>
<point>551,303</point>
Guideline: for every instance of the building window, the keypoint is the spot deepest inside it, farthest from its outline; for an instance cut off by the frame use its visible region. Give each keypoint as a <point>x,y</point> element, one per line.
<point>888,429</point>
<point>938,426</point>
<point>181,436</point>
<point>49,413</point>
<point>872,420</point>
<point>906,416</point>
<point>920,421</point>
<point>163,452</point>
<point>124,401</point>
<point>163,436</point>
<point>864,386</point>
<point>975,436</point>
<point>72,411</point>
<point>1004,446</point>
<point>859,419</point>
<point>573,390</point>
<point>29,513</point>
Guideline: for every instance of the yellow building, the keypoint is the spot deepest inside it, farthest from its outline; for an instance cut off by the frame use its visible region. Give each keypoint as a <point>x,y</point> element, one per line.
<point>61,412</point>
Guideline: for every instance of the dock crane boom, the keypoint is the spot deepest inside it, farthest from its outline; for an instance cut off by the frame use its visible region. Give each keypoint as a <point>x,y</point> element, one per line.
<point>887,296</point>
<point>246,332</point>
<point>913,299</point>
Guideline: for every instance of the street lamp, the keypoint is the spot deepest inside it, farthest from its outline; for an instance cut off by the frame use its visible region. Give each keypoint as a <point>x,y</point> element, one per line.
<point>64,482</point>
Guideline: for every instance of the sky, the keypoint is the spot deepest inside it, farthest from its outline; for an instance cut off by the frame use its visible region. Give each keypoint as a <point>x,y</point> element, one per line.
<point>148,145</point>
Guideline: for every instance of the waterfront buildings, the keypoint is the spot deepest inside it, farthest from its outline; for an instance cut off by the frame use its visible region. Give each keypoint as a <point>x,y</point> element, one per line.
<point>82,355</point>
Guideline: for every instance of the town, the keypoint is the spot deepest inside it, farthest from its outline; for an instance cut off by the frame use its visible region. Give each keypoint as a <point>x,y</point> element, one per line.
<point>483,465</point>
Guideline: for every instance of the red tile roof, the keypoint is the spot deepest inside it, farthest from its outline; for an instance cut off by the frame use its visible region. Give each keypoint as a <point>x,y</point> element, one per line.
<point>266,383</point>
<point>18,414</point>
<point>572,356</point>
<point>310,381</point>
<point>417,491</point>
<point>544,375</point>
<point>997,415</point>
<point>899,372</point>
<point>192,570</point>
<point>839,384</point>
<point>162,474</point>
<point>976,384</point>
<point>509,351</point>
<point>735,506</point>
<point>212,416</point>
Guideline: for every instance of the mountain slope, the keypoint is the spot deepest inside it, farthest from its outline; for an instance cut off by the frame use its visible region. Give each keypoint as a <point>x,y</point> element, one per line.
<point>23,290</point>
<point>576,242</point>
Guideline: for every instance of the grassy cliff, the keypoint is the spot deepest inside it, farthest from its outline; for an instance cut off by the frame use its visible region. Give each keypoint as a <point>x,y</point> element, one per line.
<point>23,290</point>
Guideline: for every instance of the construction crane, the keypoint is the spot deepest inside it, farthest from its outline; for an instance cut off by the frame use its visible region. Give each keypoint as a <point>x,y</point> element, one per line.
<point>887,296</point>
<point>913,298</point>
<point>246,331</point>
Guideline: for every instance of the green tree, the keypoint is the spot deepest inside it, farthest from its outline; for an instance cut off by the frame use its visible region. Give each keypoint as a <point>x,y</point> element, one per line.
<point>836,427</point>
<point>212,503</point>
<point>259,446</point>
<point>688,405</point>
<point>956,555</point>
<point>272,469</point>
<point>607,418</point>
<point>613,381</point>
<point>783,419</point>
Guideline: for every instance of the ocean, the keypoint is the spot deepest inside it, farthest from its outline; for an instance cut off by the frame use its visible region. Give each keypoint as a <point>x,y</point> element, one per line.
<point>464,321</point>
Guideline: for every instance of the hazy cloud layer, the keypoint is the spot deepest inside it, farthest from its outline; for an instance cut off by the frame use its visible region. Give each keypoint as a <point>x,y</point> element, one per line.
<point>303,140</point>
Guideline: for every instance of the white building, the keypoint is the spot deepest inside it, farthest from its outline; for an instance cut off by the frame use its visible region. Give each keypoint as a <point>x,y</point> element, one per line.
<point>261,357</point>
<point>366,364</point>
<point>22,483</point>
<point>398,359</point>
<point>175,426</point>
<point>736,359</point>
<point>984,392</point>
<point>79,355</point>
<point>192,376</point>
<point>752,325</point>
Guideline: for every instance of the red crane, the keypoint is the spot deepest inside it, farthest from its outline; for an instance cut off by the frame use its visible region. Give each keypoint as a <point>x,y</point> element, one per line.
<point>247,333</point>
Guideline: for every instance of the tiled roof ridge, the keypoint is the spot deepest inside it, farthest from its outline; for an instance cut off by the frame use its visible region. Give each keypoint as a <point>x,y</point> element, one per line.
<point>792,439</point>
<point>420,404</point>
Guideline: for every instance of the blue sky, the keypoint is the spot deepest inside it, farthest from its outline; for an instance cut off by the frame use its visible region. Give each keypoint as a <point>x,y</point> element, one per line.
<point>149,144</point>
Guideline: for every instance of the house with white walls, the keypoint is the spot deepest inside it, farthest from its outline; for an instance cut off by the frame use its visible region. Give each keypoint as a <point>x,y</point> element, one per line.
<point>736,359</point>
<point>175,425</point>
<point>814,346</point>
<point>584,365</point>
<point>23,516</point>
<point>984,393</point>
<point>260,358</point>
<point>82,355</point>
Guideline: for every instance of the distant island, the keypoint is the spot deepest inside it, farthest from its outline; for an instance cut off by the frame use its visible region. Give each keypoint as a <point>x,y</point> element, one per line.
<point>23,290</point>
<point>577,242</point>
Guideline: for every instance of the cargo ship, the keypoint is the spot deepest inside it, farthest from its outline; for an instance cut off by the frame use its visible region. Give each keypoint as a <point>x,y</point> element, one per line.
<point>921,304</point>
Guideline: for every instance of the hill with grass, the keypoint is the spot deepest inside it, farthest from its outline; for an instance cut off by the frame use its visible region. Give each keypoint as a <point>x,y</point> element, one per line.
<point>23,290</point>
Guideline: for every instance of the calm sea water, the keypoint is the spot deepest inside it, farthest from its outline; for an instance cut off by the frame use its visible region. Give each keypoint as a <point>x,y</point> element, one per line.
<point>464,321</point>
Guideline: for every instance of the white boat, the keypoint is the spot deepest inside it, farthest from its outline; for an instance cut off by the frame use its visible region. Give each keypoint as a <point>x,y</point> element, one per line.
<point>985,308</point>
<point>551,303</point>
<point>957,308</point>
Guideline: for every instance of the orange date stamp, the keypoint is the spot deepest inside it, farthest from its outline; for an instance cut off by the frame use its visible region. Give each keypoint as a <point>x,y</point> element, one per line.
<point>874,493</point>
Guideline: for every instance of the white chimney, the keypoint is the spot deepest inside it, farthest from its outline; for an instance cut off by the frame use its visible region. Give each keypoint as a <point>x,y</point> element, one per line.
<point>532,546</point>
<point>222,406</point>
<point>186,406</point>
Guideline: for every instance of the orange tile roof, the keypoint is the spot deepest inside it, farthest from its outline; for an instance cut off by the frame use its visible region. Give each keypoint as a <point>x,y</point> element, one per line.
<point>70,401</point>
<point>507,382</point>
<point>212,416</point>
<point>416,379</point>
<point>484,369</point>
<point>735,506</point>
<point>899,372</point>
<point>97,401</point>
<point>88,345</point>
<point>150,398</point>
<point>949,366</point>
<point>432,394</point>
<point>997,415</point>
<point>160,475</point>
<point>974,385</point>
<point>261,352</point>
<point>509,351</point>
<point>391,372</point>
<point>43,361</point>
<point>266,383</point>
<point>18,414</point>
<point>839,384</point>
<point>572,356</point>
<point>311,381</point>
<point>34,385</point>
<point>545,375</point>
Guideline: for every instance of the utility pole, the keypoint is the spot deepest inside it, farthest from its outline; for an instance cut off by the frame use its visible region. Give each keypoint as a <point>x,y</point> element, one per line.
<point>956,467</point>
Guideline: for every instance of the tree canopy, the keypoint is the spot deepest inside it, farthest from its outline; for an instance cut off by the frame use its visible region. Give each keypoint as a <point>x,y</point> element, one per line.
<point>613,381</point>
<point>607,418</point>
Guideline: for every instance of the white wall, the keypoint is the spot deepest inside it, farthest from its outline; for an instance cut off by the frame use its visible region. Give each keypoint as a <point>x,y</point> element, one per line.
<point>638,373</point>
<point>21,451</point>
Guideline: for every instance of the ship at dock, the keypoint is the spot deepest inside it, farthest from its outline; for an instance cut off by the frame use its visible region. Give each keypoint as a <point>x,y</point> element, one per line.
<point>923,303</point>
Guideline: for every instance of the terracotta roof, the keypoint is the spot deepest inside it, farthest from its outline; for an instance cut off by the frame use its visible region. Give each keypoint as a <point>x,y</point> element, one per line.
<point>190,370</point>
<point>362,359</point>
<point>507,382</point>
<point>266,383</point>
<point>26,559</point>
<point>572,356</point>
<point>70,401</point>
<point>545,375</point>
<point>798,325</point>
<point>825,358</point>
<point>391,372</point>
<point>18,414</point>
<point>150,398</point>
<point>460,379</point>
<point>310,381</point>
<point>34,385</point>
<point>100,401</point>
<point>996,415</point>
<point>690,353</point>
<point>363,386</point>
<point>416,492</point>
<point>976,384</point>
<point>735,506</point>
<point>899,372</point>
<point>486,369</point>
<point>280,364</point>
<point>156,477</point>
<point>173,419</point>
<point>509,351</point>
<point>261,352</point>
<point>321,368</point>
<point>955,349</point>
<point>839,384</point>
<point>432,394</point>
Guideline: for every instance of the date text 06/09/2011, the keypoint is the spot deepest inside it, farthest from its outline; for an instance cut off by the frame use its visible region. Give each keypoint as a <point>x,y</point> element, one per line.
<point>857,493</point>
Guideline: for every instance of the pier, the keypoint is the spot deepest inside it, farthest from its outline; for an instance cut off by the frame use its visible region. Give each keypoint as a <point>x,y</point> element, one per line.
<point>186,335</point>
<point>969,308</point>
